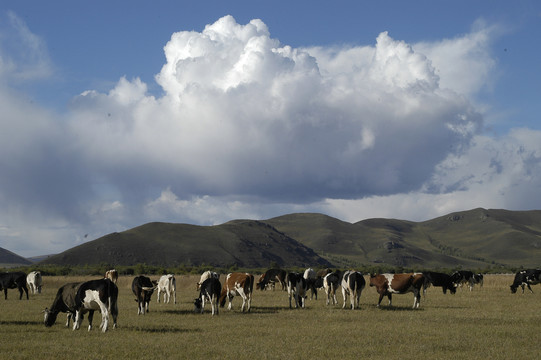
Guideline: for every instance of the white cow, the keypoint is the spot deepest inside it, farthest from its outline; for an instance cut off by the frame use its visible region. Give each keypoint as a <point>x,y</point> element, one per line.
<point>168,285</point>
<point>207,275</point>
<point>35,282</point>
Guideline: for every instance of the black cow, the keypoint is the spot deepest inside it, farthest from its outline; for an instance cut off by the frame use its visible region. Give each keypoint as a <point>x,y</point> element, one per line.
<point>210,291</point>
<point>64,301</point>
<point>526,278</point>
<point>439,279</point>
<point>272,276</point>
<point>14,280</point>
<point>142,288</point>
<point>101,295</point>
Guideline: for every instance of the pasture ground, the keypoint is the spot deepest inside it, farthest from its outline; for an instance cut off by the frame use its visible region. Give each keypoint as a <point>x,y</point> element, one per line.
<point>487,323</point>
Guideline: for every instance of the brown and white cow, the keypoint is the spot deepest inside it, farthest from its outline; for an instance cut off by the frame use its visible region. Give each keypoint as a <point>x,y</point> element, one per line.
<point>241,284</point>
<point>388,284</point>
<point>111,275</point>
<point>270,277</point>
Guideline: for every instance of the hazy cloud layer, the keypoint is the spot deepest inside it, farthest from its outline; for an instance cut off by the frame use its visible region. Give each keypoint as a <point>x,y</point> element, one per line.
<point>248,127</point>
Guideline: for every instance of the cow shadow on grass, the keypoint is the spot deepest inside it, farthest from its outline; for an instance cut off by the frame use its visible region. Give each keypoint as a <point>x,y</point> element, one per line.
<point>161,329</point>
<point>396,308</point>
<point>177,312</point>
<point>20,322</point>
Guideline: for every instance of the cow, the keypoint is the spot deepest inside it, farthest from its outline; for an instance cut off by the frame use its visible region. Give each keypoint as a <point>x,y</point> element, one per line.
<point>207,274</point>
<point>462,277</point>
<point>526,278</point>
<point>111,275</point>
<point>14,280</point>
<point>270,277</point>
<point>210,291</point>
<point>331,282</point>
<point>241,284</point>
<point>388,284</point>
<point>143,289</point>
<point>64,301</point>
<point>312,281</point>
<point>101,295</point>
<point>478,279</point>
<point>34,282</point>
<point>353,284</point>
<point>296,288</point>
<point>438,279</point>
<point>168,285</point>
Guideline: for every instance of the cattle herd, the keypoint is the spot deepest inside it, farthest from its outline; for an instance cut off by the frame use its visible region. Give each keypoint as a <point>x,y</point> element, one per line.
<point>76,299</point>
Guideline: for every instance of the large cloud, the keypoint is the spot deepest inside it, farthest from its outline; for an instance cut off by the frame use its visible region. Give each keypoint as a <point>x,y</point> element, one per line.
<point>247,127</point>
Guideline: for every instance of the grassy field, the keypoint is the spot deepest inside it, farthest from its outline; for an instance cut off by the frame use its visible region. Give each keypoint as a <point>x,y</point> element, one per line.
<point>487,323</point>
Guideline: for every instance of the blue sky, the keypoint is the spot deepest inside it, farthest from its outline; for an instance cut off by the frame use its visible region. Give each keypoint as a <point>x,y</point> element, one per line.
<point>117,114</point>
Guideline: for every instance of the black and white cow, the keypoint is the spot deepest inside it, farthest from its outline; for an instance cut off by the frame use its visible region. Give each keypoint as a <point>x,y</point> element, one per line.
<point>353,284</point>
<point>206,275</point>
<point>143,289</point>
<point>34,282</point>
<point>526,278</point>
<point>64,301</point>
<point>14,280</point>
<point>438,279</point>
<point>463,277</point>
<point>331,283</point>
<point>312,282</point>
<point>210,291</point>
<point>101,295</point>
<point>296,288</point>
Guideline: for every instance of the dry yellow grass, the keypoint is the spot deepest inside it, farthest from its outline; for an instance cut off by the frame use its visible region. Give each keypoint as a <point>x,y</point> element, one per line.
<point>487,323</point>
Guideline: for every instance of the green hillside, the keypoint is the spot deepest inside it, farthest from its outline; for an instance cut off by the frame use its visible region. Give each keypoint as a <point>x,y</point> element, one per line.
<point>476,238</point>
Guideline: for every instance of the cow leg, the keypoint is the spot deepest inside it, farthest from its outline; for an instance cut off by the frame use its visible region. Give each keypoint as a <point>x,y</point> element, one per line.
<point>345,296</point>
<point>90,319</point>
<point>416,299</point>
<point>104,317</point>
<point>529,288</point>
<point>380,298</point>
<point>158,297</point>
<point>78,320</point>
<point>390,296</point>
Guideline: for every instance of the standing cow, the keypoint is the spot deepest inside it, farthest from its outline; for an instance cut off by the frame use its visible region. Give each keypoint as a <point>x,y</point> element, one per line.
<point>168,285</point>
<point>34,282</point>
<point>64,301</point>
<point>101,295</point>
<point>438,279</point>
<point>389,284</point>
<point>270,277</point>
<point>331,283</point>
<point>210,291</point>
<point>111,275</point>
<point>143,289</point>
<point>526,278</point>
<point>14,280</point>
<point>353,284</point>
<point>241,284</point>
<point>296,288</point>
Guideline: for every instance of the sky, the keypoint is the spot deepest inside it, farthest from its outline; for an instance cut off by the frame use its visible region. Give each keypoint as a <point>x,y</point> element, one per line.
<point>116,114</point>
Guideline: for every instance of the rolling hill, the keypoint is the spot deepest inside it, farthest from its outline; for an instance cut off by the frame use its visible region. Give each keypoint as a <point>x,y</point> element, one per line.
<point>477,238</point>
<point>9,259</point>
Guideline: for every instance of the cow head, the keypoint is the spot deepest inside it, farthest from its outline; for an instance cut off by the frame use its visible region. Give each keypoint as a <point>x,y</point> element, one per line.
<point>49,317</point>
<point>197,305</point>
<point>514,289</point>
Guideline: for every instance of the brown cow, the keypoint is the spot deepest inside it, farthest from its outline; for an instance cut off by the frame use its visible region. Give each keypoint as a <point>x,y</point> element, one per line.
<point>241,284</point>
<point>388,284</point>
<point>270,277</point>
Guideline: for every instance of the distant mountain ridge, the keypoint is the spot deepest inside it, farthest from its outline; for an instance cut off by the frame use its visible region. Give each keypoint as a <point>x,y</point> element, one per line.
<point>10,259</point>
<point>477,238</point>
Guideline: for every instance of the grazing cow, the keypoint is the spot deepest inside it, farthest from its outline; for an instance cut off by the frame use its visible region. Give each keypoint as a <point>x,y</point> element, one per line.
<point>526,278</point>
<point>168,285</point>
<point>13,280</point>
<point>331,282</point>
<point>296,288</point>
<point>34,282</point>
<point>101,295</point>
<point>311,281</point>
<point>388,284</point>
<point>210,291</point>
<point>478,279</point>
<point>353,284</point>
<point>438,279</point>
<point>111,275</point>
<point>206,275</point>
<point>241,284</point>
<point>64,301</point>
<point>143,289</point>
<point>462,277</point>
<point>270,277</point>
